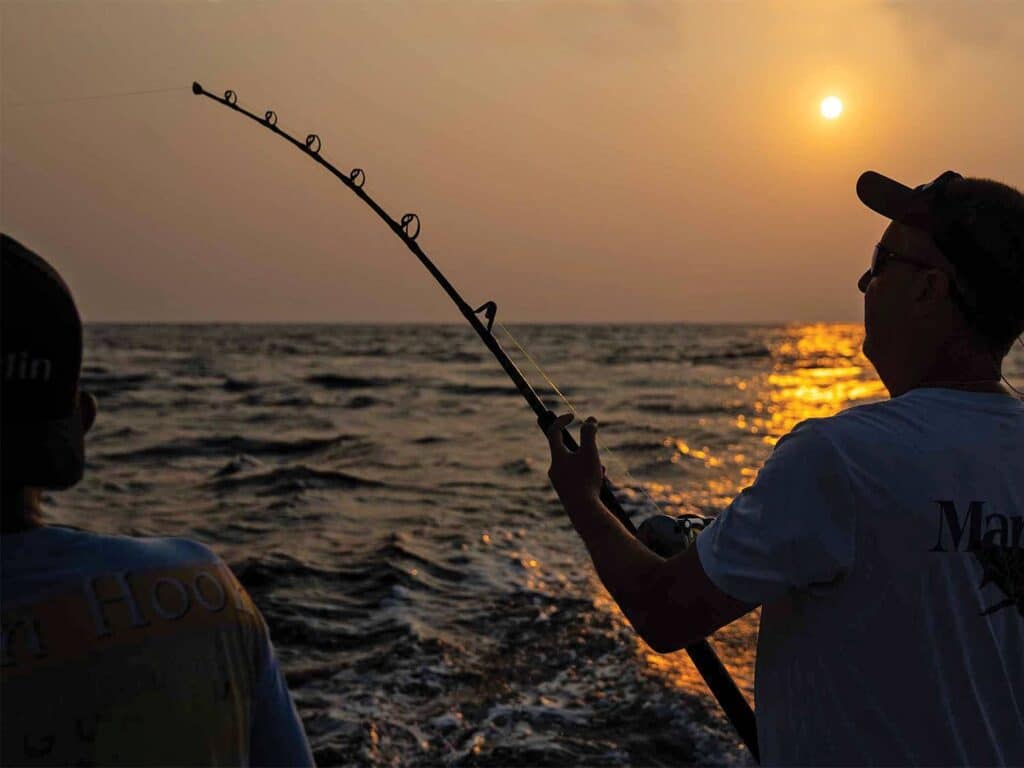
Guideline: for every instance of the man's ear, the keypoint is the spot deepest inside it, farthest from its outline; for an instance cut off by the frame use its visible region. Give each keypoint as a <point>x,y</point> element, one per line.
<point>87,407</point>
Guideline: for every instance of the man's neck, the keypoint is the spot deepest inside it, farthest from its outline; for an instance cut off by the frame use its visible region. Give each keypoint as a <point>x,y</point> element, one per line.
<point>21,511</point>
<point>960,364</point>
<point>984,386</point>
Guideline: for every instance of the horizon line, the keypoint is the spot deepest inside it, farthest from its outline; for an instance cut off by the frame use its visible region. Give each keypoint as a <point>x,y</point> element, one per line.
<point>464,322</point>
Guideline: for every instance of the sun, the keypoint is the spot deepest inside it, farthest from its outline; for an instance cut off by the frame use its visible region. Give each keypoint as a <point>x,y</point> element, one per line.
<point>831,108</point>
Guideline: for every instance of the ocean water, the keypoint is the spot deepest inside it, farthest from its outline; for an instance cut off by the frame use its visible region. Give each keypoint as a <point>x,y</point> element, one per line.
<point>382,493</point>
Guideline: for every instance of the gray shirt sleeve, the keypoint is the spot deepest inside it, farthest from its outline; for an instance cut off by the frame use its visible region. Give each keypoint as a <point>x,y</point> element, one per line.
<point>793,528</point>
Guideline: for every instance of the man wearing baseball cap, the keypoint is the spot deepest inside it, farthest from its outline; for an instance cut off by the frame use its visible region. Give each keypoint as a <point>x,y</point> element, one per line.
<point>115,650</point>
<point>885,544</point>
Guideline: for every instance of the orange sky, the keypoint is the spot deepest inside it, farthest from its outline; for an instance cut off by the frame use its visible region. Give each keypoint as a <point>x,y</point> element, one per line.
<point>589,161</point>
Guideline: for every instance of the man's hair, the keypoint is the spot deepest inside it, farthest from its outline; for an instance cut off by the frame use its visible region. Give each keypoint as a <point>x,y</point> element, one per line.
<point>980,229</point>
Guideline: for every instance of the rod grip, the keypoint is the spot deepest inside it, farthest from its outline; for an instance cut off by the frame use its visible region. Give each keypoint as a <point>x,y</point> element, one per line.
<point>545,420</point>
<point>729,696</point>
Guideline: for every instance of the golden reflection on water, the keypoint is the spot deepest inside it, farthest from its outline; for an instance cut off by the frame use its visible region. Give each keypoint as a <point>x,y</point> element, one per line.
<point>815,371</point>
<point>818,371</point>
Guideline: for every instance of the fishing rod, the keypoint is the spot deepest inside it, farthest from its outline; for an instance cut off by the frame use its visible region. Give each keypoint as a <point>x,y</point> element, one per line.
<point>407,229</point>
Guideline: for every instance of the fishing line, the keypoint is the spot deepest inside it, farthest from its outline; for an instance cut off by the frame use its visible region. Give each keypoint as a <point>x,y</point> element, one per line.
<point>622,466</point>
<point>69,99</point>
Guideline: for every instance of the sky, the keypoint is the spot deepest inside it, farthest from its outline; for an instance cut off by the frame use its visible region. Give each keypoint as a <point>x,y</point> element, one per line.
<point>573,161</point>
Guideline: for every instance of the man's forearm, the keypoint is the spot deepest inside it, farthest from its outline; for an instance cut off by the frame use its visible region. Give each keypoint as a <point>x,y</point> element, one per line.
<point>671,603</point>
<point>627,568</point>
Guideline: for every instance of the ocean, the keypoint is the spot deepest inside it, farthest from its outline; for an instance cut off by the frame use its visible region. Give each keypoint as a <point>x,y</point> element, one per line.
<point>382,492</point>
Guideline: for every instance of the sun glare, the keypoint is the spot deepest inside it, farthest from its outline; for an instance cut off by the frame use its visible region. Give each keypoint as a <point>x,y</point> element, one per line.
<point>831,108</point>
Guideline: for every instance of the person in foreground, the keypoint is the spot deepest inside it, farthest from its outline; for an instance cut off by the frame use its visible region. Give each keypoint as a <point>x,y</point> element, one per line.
<point>115,650</point>
<point>885,544</point>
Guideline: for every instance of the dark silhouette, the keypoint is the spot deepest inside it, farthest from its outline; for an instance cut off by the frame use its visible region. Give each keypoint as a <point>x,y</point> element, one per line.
<point>880,641</point>
<point>116,650</point>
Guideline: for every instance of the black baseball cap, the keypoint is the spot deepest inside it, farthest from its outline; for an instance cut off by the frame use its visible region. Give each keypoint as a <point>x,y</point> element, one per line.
<point>978,225</point>
<point>914,206</point>
<point>40,363</point>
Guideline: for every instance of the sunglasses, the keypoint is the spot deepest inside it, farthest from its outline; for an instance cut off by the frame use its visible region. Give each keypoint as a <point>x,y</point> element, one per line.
<point>879,257</point>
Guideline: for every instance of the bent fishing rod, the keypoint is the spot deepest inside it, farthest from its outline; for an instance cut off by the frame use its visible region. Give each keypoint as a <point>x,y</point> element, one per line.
<point>407,229</point>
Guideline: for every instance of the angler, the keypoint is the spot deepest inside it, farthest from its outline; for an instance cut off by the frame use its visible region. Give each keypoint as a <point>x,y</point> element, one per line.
<point>875,646</point>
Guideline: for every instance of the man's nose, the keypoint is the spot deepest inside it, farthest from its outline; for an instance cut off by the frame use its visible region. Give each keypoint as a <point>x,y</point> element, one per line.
<point>862,284</point>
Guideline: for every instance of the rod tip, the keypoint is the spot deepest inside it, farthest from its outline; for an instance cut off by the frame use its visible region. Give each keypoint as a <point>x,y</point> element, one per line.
<point>196,88</point>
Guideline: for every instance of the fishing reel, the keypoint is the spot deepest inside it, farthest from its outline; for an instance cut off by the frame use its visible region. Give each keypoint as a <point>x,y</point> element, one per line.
<point>668,536</point>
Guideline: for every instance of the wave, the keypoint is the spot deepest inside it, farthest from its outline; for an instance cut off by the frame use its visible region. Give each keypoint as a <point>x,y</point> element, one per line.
<point>362,401</point>
<point>106,384</point>
<point>277,401</point>
<point>684,409</point>
<point>220,445</point>
<point>457,357</point>
<point>737,354</point>
<point>337,381</point>
<point>238,385</point>
<point>296,477</point>
<point>396,549</point>
<point>430,440</point>
<point>518,467</point>
<point>394,568</point>
<point>238,464</point>
<point>670,354</point>
<point>481,390</point>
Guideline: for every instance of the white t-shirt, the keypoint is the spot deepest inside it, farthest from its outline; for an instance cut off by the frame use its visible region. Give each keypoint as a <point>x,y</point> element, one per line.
<point>886,544</point>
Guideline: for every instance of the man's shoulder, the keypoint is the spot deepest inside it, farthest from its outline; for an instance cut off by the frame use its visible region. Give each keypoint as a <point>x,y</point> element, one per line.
<point>158,551</point>
<point>57,553</point>
<point>911,420</point>
<point>69,572</point>
<point>868,417</point>
<point>871,424</point>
